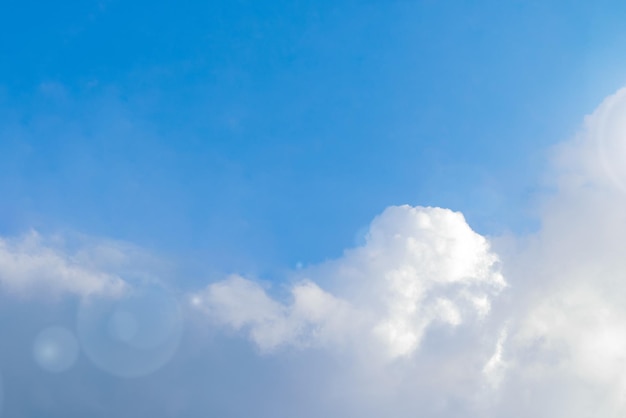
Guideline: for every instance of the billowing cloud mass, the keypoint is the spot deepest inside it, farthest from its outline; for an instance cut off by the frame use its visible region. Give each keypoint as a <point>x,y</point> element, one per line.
<point>550,340</point>
<point>567,351</point>
<point>419,267</point>
<point>425,318</point>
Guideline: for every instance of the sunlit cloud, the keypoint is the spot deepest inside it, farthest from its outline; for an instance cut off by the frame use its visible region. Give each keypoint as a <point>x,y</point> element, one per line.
<point>418,267</point>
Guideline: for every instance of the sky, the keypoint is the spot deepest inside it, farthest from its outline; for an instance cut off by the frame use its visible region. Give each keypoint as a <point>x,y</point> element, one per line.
<point>348,208</point>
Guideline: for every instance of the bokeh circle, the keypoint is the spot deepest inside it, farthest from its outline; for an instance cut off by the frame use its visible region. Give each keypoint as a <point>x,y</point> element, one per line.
<point>133,335</point>
<point>55,349</point>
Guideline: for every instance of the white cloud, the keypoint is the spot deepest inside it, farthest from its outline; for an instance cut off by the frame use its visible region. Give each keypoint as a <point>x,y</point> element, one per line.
<point>554,346</point>
<point>313,317</point>
<point>495,368</point>
<point>567,345</point>
<point>418,267</point>
<point>33,265</point>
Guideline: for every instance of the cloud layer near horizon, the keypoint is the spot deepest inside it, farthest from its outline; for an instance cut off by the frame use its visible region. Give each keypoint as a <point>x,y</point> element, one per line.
<point>427,316</point>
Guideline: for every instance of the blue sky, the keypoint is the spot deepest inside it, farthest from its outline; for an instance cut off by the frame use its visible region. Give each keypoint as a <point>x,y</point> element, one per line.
<point>273,131</point>
<point>250,137</point>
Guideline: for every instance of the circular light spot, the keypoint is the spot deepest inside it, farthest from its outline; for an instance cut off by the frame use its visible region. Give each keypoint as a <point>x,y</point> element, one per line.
<point>55,349</point>
<point>133,335</point>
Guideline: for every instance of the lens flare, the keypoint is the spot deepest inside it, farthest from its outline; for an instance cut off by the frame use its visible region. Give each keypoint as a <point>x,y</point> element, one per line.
<point>55,349</point>
<point>132,336</point>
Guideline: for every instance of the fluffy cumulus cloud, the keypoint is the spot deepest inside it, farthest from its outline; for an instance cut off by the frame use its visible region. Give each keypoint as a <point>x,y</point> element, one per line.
<point>419,267</point>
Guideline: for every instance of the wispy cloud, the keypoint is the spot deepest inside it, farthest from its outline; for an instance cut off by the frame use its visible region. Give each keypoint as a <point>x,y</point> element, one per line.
<point>31,265</point>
